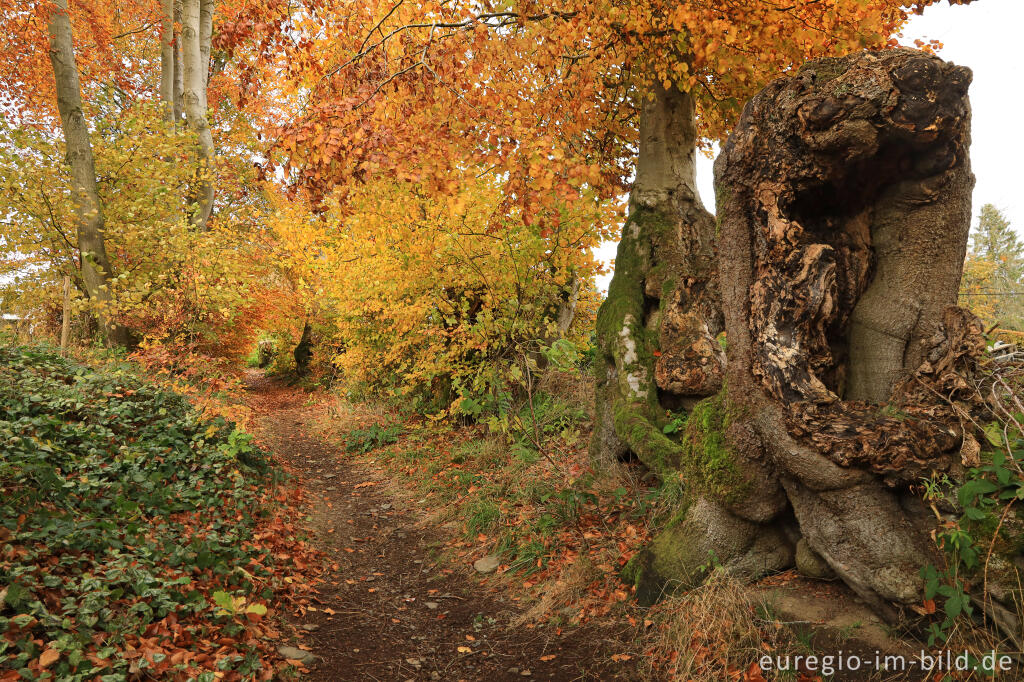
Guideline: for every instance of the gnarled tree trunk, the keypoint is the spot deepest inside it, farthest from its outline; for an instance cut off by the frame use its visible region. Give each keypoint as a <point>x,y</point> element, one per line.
<point>844,210</point>
<point>96,269</point>
<point>656,330</point>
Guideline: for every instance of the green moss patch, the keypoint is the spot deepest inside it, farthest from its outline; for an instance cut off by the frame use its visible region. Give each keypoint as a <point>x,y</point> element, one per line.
<point>708,463</point>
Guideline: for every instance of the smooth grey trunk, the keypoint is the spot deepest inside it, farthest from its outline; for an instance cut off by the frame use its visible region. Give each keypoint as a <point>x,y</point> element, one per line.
<point>895,319</point>
<point>666,166</point>
<point>89,220</point>
<point>167,59</point>
<point>195,74</point>
<point>179,66</point>
<point>206,8</point>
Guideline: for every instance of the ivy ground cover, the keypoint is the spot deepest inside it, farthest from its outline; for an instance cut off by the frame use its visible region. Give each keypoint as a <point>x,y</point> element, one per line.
<point>137,538</point>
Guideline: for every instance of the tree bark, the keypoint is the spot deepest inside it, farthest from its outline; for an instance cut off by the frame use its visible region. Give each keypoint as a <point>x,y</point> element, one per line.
<point>844,210</point>
<point>195,76</point>
<point>656,330</point>
<point>65,320</point>
<point>96,269</point>
<point>206,8</point>
<point>303,352</point>
<point>167,46</point>
<point>179,65</point>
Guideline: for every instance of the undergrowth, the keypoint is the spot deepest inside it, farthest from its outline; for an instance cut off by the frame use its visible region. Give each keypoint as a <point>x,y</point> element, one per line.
<point>518,485</point>
<point>128,525</point>
<point>981,542</point>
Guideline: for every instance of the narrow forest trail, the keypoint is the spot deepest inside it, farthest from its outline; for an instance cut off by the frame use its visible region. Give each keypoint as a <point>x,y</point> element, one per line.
<point>391,609</point>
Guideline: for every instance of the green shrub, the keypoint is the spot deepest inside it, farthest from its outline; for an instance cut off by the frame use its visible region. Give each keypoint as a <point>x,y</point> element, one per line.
<point>117,500</point>
<point>366,440</point>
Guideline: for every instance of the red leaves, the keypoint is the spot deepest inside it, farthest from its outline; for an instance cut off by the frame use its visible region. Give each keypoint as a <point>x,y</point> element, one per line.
<point>754,674</point>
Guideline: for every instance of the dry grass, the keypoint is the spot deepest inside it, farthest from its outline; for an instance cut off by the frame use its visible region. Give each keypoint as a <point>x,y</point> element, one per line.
<point>576,388</point>
<point>565,592</point>
<point>712,633</point>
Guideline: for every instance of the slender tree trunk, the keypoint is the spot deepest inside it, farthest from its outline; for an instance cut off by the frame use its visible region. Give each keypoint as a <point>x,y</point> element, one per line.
<point>167,44</point>
<point>65,320</point>
<point>656,330</point>
<point>96,270</point>
<point>179,65</point>
<point>206,8</point>
<point>195,74</point>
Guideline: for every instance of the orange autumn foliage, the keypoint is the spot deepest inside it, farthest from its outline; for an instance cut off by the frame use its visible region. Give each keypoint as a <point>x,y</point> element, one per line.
<point>542,96</point>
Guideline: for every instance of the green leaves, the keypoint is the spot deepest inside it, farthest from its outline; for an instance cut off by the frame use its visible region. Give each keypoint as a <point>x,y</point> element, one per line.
<point>365,440</point>
<point>982,498</point>
<point>233,606</point>
<point>970,490</point>
<point>117,503</point>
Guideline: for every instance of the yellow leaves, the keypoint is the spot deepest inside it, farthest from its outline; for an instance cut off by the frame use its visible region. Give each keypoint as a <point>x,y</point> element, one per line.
<point>457,205</point>
<point>420,288</point>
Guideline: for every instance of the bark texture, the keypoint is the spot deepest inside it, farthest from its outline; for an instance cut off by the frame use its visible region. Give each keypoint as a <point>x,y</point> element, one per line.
<point>167,45</point>
<point>206,8</point>
<point>656,330</point>
<point>196,28</point>
<point>96,269</point>
<point>844,210</point>
<point>179,65</point>
<point>844,205</point>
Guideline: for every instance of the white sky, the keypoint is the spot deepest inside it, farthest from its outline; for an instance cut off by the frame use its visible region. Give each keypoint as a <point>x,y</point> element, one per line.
<point>982,36</point>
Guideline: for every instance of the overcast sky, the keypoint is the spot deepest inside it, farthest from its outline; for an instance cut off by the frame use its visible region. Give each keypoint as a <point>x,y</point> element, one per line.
<point>984,37</point>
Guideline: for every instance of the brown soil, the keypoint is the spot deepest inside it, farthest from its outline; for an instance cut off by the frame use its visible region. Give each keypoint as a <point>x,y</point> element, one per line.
<point>400,612</point>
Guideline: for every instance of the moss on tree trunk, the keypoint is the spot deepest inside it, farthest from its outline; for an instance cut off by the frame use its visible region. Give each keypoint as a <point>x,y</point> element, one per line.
<point>656,330</point>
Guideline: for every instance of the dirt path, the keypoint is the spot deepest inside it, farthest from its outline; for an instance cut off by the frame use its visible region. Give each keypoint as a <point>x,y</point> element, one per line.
<point>391,611</point>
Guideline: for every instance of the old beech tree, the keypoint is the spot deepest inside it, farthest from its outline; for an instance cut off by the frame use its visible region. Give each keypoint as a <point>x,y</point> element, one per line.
<point>844,212</point>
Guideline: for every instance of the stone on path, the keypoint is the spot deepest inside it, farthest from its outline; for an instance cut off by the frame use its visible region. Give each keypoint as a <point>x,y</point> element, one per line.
<point>486,565</point>
<point>296,654</point>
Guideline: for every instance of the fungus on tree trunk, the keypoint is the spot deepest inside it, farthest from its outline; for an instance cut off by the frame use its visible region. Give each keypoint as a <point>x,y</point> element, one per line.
<point>844,211</point>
